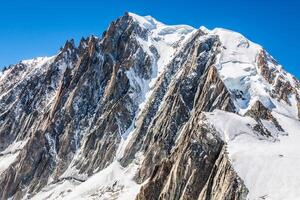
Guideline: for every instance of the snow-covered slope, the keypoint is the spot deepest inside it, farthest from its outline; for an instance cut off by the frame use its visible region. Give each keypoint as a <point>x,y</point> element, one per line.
<point>267,165</point>
<point>269,168</point>
<point>238,66</point>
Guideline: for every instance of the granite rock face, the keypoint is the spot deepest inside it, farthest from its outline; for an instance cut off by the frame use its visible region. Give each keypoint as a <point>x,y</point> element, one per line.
<point>135,98</point>
<point>198,168</point>
<point>91,99</point>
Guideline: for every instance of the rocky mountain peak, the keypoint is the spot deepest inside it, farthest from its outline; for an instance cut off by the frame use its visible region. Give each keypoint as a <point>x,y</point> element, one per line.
<point>70,44</point>
<point>150,111</point>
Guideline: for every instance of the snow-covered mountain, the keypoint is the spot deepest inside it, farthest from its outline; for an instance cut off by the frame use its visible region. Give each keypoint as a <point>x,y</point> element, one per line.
<point>151,111</point>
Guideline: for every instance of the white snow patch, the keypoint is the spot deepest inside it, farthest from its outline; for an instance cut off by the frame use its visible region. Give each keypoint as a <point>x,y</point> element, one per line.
<point>269,169</point>
<point>9,155</point>
<point>114,182</point>
<point>55,191</point>
<point>36,61</point>
<point>6,161</point>
<point>146,22</point>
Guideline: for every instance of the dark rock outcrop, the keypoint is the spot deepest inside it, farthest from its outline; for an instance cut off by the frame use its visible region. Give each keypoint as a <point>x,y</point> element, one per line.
<point>259,112</point>
<point>268,73</point>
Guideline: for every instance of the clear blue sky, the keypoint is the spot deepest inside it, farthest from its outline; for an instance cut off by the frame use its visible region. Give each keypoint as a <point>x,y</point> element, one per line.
<point>38,28</point>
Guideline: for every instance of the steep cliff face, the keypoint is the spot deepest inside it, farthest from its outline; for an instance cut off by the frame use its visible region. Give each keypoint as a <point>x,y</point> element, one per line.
<point>198,168</point>
<point>148,111</point>
<point>91,108</point>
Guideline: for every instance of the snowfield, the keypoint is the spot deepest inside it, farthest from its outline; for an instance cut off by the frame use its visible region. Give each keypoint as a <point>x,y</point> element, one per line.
<point>269,168</point>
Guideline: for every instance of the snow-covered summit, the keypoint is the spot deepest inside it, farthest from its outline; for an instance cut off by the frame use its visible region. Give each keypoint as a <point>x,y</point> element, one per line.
<point>247,70</point>
<point>241,64</point>
<point>167,40</point>
<point>151,23</point>
<point>147,22</point>
<point>169,34</point>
